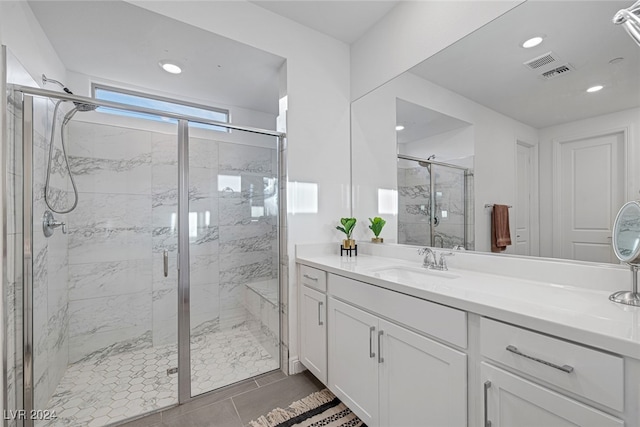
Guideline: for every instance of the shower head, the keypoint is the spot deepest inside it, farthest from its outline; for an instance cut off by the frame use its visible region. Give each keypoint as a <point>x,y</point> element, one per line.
<point>46,80</point>
<point>80,106</point>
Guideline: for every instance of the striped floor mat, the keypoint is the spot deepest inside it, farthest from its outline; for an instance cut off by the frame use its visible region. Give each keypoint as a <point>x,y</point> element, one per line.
<point>320,409</point>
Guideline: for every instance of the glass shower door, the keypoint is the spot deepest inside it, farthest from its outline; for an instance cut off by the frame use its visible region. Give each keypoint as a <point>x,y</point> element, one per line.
<point>449,206</point>
<point>104,312</point>
<point>233,256</point>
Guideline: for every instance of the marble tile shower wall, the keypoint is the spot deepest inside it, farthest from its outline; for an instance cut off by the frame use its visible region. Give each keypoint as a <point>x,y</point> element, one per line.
<point>50,260</point>
<point>119,297</point>
<point>414,206</point>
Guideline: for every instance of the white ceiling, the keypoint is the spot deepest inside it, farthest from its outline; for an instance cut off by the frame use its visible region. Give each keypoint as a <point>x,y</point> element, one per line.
<point>343,20</point>
<point>420,122</point>
<point>487,66</point>
<point>117,41</point>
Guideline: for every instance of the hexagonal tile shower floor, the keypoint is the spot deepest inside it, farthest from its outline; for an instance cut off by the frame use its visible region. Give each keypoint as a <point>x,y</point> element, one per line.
<point>121,386</point>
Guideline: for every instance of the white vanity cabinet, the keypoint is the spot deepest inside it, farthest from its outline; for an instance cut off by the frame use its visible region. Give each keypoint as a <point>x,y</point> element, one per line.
<point>386,373</point>
<point>313,321</point>
<point>397,358</point>
<point>512,400</point>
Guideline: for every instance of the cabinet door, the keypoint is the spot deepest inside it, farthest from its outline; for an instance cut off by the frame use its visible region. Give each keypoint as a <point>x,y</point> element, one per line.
<point>313,333</point>
<point>513,401</point>
<point>353,362</point>
<point>422,382</point>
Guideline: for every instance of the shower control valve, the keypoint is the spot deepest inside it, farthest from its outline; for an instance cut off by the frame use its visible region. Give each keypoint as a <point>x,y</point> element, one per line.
<point>49,224</point>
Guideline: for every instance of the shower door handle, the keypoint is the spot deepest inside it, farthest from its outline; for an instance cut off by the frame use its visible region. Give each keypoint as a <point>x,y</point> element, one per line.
<point>165,258</point>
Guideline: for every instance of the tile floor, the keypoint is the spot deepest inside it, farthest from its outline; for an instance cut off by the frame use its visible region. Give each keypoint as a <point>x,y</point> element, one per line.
<point>121,386</point>
<point>236,405</point>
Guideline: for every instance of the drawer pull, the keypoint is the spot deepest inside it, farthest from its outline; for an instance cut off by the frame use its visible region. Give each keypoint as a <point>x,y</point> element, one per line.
<point>487,385</point>
<point>320,322</point>
<point>306,276</point>
<point>564,368</point>
<point>371,331</point>
<point>380,358</point>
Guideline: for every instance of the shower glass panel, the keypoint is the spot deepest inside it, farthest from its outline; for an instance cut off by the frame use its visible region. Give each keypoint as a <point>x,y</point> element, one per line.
<point>104,315</point>
<point>233,257</point>
<point>414,203</point>
<point>449,202</point>
<point>432,204</point>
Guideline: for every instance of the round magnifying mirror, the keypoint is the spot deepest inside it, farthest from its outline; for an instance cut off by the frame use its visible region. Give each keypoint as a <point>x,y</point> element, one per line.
<point>626,245</point>
<point>626,233</point>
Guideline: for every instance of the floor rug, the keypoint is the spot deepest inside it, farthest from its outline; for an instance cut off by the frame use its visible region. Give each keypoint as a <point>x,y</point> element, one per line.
<point>321,408</point>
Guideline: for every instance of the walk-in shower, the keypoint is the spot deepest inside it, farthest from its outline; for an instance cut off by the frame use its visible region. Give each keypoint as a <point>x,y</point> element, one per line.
<point>165,285</point>
<point>434,203</point>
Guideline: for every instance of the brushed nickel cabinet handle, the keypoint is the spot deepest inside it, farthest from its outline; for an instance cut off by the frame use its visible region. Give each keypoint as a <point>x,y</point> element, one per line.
<point>564,368</point>
<point>487,385</point>
<point>320,322</point>
<point>371,332</point>
<point>306,276</point>
<point>380,358</point>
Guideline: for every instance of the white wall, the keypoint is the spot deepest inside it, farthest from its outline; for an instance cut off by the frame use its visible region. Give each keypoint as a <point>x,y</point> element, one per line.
<point>374,149</point>
<point>22,34</point>
<point>627,119</point>
<point>413,31</point>
<point>318,115</point>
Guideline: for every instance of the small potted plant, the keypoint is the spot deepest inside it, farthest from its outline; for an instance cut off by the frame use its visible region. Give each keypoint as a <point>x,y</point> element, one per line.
<point>347,228</point>
<point>376,226</point>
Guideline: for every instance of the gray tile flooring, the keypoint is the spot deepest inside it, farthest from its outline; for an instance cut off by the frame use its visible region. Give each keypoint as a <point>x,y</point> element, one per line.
<point>121,386</point>
<point>236,405</point>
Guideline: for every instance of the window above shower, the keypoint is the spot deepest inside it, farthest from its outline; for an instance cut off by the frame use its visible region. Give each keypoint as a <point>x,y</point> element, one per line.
<point>137,99</point>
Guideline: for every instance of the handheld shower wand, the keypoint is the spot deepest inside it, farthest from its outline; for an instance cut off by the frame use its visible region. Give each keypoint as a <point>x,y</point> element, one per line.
<point>78,106</point>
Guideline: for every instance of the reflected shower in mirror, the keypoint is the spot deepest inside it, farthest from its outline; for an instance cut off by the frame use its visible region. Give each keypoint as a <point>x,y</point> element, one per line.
<point>435,164</point>
<point>549,129</point>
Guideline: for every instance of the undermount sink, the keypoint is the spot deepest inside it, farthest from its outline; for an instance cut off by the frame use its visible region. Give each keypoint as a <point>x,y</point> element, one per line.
<point>402,274</point>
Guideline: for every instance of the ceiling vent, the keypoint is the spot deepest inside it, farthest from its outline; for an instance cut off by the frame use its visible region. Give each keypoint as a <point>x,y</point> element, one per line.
<point>558,71</point>
<point>541,61</point>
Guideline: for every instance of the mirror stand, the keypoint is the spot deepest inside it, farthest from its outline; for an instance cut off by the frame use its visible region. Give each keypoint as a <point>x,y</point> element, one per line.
<point>629,297</point>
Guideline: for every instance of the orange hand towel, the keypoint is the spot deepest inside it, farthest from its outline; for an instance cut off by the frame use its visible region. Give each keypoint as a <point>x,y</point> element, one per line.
<point>500,234</point>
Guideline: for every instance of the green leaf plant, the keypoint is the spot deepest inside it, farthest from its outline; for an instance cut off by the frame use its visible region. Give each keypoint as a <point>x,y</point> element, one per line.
<point>347,226</point>
<point>376,225</point>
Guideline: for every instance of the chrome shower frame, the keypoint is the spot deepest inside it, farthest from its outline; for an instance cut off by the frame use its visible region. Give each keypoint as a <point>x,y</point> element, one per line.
<point>183,341</point>
<point>432,215</point>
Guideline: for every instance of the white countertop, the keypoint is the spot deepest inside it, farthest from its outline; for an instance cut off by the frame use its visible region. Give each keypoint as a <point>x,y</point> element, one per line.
<point>577,314</point>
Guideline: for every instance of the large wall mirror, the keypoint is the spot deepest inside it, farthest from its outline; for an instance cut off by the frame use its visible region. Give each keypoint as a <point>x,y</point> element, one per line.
<point>487,121</point>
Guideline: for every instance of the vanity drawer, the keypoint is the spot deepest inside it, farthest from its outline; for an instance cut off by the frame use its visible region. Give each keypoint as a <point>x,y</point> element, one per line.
<point>446,323</point>
<point>314,278</point>
<point>595,375</point>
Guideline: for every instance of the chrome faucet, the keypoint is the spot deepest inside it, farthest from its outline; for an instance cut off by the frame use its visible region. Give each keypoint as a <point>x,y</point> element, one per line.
<point>429,257</point>
<point>441,240</point>
<point>442,265</point>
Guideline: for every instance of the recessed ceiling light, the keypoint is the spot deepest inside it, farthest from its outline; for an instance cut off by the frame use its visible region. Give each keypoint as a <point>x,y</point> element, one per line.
<point>170,66</point>
<point>532,42</point>
<point>399,127</point>
<point>594,88</point>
